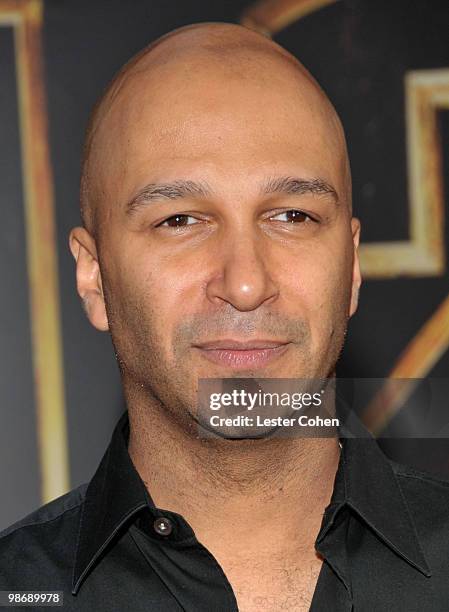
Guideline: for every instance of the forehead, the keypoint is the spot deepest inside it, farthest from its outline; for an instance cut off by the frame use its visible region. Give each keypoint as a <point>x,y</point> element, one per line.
<point>237,117</point>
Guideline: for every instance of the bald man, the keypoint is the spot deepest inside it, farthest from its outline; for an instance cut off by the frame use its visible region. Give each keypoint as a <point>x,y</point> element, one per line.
<point>218,242</point>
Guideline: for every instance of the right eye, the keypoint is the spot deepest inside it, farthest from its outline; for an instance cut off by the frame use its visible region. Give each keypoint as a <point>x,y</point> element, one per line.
<point>178,221</point>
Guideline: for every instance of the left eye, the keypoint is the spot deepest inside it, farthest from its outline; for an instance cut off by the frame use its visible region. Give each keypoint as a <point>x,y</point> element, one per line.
<point>179,221</point>
<point>292,216</point>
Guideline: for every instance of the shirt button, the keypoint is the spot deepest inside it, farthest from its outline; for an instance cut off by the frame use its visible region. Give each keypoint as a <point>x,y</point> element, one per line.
<point>163,526</point>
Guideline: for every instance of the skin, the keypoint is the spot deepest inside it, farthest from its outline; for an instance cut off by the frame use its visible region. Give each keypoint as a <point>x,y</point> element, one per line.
<point>222,105</point>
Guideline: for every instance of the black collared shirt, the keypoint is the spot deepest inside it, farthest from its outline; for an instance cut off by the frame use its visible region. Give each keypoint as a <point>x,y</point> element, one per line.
<point>384,538</point>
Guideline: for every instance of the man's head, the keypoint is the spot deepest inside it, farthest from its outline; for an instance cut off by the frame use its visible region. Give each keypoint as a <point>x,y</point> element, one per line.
<point>216,199</point>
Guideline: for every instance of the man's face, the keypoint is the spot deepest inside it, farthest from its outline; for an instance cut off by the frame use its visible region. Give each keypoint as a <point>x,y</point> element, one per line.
<point>227,270</point>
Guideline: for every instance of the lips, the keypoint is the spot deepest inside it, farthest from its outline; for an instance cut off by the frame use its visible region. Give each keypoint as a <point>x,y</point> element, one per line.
<point>242,355</point>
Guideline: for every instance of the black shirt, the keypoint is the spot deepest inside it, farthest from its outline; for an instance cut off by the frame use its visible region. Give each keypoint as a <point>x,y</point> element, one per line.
<point>384,538</point>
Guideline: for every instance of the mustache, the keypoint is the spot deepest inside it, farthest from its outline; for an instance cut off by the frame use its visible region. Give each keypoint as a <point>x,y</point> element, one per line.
<point>227,323</point>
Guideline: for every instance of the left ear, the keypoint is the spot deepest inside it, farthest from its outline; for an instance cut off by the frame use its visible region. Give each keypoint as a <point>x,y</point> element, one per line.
<point>356,276</point>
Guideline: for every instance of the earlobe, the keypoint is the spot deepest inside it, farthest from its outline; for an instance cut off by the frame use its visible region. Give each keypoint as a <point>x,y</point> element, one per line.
<point>354,300</point>
<point>88,277</point>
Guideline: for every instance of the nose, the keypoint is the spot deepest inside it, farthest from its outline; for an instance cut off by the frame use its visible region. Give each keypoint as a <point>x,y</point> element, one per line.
<point>241,273</point>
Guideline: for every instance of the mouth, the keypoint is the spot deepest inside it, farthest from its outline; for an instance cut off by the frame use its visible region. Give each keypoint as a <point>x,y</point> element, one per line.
<point>242,355</point>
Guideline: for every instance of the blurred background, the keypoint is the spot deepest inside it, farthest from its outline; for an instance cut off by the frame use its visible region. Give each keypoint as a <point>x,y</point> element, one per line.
<point>385,66</point>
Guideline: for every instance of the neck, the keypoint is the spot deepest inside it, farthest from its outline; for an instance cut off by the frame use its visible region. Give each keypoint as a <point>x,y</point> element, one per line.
<point>277,487</point>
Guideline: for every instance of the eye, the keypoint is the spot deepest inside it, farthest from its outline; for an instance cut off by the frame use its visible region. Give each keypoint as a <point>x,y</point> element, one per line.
<point>293,216</point>
<point>178,221</point>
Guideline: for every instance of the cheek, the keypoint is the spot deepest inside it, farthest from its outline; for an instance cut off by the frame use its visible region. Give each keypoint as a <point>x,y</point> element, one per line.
<point>173,285</point>
<point>318,284</point>
<point>168,291</point>
<point>317,274</point>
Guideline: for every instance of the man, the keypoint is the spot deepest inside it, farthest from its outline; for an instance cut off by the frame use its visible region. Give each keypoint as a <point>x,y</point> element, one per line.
<point>218,241</point>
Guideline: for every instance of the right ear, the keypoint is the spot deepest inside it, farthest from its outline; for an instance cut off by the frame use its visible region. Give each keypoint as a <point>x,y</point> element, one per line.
<point>356,275</point>
<point>88,277</point>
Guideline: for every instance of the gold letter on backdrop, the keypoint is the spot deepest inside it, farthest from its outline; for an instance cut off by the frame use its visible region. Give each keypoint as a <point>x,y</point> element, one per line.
<point>25,17</point>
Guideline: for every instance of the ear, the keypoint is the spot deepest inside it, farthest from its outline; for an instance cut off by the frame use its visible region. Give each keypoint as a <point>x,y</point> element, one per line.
<point>356,276</point>
<point>88,277</point>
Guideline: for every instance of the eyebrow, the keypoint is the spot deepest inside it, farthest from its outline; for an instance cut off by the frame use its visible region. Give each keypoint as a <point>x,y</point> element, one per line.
<point>179,189</point>
<point>168,191</point>
<point>299,186</point>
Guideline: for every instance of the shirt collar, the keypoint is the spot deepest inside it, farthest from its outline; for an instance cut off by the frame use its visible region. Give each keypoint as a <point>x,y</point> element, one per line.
<point>367,485</point>
<point>115,494</point>
<point>365,482</point>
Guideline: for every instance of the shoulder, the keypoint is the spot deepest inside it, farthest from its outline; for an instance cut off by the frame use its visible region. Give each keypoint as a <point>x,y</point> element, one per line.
<point>52,511</point>
<point>427,497</point>
<point>44,539</point>
<point>413,479</point>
